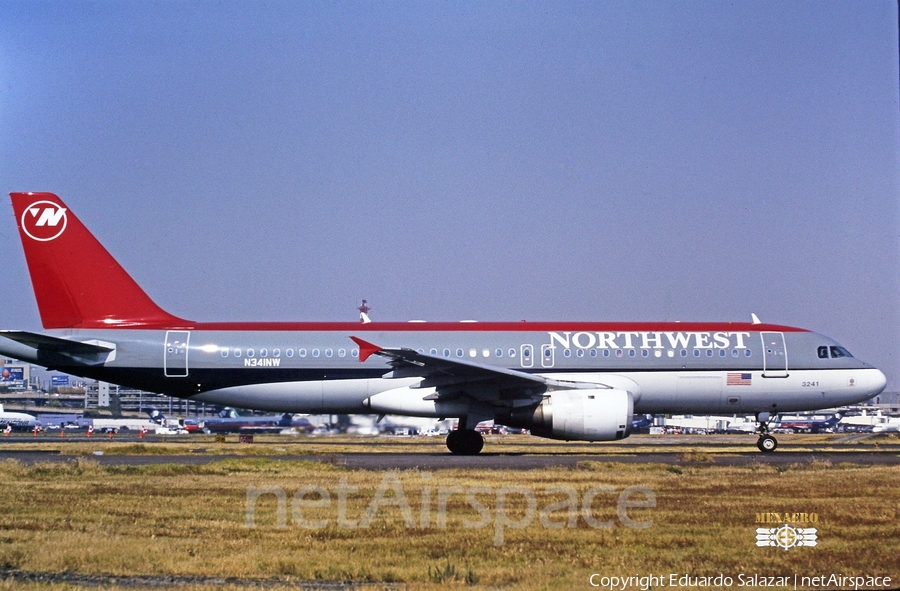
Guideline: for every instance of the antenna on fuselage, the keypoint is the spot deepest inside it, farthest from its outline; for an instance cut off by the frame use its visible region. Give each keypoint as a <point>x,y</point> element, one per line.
<point>364,313</point>
<point>753,316</point>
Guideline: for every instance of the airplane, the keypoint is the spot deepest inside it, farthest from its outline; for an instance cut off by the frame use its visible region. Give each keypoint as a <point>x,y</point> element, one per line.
<point>18,421</point>
<point>641,422</point>
<point>889,426</point>
<point>229,421</point>
<point>582,381</point>
<point>808,424</point>
<point>864,420</point>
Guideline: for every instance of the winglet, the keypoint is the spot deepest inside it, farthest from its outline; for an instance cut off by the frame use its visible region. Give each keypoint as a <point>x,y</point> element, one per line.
<point>366,349</point>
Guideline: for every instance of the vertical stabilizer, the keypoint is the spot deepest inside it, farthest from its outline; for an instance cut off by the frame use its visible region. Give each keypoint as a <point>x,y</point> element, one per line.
<point>77,283</point>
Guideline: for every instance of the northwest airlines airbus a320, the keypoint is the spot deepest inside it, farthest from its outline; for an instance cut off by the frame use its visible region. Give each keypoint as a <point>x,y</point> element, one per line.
<point>563,380</point>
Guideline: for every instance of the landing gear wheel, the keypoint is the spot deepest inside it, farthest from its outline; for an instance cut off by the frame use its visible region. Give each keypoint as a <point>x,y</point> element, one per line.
<point>767,443</point>
<point>465,442</point>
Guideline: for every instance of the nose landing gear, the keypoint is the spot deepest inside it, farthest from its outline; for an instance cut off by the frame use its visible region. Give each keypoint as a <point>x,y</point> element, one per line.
<point>766,443</point>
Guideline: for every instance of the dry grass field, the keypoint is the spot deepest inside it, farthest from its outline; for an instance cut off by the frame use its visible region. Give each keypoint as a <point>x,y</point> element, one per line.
<point>533,529</point>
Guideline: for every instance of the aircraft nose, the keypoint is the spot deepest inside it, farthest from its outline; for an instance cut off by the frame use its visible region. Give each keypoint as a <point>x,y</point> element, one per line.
<point>875,381</point>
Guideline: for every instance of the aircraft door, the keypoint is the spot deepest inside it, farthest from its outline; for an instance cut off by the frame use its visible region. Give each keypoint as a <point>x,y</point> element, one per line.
<point>775,363</point>
<point>175,359</point>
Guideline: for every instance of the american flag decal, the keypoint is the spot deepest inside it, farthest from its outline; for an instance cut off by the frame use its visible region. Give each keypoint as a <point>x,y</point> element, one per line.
<point>739,379</point>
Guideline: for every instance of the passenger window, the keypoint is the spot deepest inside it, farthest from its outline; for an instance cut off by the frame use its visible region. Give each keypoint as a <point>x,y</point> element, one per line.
<point>250,353</point>
<point>276,352</point>
<point>289,352</point>
<point>823,352</point>
<point>224,351</point>
<point>237,352</point>
<point>263,353</point>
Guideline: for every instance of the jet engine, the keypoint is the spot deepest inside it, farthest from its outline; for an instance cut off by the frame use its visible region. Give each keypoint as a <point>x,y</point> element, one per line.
<point>582,415</point>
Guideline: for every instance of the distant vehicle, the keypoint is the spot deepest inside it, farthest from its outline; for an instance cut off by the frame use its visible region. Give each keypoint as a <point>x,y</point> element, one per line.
<point>18,421</point>
<point>700,424</point>
<point>229,421</point>
<point>166,426</point>
<point>741,425</point>
<point>115,425</point>
<point>192,425</point>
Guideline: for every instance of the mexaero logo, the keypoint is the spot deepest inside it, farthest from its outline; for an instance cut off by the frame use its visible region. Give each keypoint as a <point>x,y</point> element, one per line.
<point>44,220</point>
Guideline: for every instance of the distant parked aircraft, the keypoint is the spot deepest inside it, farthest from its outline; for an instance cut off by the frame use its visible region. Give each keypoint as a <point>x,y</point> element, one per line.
<point>18,421</point>
<point>229,421</point>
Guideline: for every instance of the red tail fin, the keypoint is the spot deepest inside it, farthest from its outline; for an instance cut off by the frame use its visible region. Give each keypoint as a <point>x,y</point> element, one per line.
<point>77,283</point>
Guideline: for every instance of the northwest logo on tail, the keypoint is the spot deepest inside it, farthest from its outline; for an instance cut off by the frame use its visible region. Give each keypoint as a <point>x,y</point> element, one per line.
<point>44,221</point>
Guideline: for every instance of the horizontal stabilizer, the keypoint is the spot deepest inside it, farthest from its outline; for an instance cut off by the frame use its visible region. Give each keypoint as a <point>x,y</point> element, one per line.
<point>44,342</point>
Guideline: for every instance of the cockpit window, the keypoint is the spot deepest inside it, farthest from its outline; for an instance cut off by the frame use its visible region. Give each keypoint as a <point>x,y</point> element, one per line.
<point>823,352</point>
<point>840,352</point>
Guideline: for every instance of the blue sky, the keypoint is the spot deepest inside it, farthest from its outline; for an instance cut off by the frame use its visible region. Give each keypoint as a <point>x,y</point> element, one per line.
<point>492,161</point>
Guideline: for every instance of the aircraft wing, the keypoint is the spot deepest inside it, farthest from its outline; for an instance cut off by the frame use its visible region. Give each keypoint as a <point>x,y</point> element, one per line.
<point>452,377</point>
<point>42,342</point>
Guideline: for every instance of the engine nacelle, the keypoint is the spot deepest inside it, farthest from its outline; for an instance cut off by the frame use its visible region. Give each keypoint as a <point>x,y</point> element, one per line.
<point>415,402</point>
<point>581,415</point>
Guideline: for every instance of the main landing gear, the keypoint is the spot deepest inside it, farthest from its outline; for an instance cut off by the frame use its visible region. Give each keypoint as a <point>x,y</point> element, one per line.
<point>465,442</point>
<point>766,443</point>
